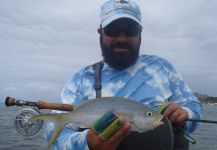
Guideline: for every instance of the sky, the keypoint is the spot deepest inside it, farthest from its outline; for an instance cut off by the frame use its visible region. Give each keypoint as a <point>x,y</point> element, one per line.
<point>44,42</point>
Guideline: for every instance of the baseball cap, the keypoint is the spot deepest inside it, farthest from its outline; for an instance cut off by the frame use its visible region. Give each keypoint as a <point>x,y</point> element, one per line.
<point>112,10</point>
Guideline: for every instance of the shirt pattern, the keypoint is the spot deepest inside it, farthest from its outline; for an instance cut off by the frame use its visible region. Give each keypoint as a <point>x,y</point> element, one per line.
<point>150,81</point>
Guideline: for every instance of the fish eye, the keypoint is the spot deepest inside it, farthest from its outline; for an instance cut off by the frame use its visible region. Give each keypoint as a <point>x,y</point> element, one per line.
<point>149,114</point>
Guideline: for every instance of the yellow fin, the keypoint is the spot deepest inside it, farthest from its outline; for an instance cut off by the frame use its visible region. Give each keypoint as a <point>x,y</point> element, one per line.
<point>163,107</point>
<point>59,123</point>
<point>57,130</point>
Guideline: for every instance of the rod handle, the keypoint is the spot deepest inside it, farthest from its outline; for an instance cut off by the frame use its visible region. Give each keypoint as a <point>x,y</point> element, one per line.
<point>10,101</point>
<point>54,106</point>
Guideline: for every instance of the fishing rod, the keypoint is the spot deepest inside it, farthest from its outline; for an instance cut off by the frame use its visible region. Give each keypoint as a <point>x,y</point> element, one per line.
<point>10,101</point>
<point>202,121</point>
<point>28,127</point>
<point>164,106</point>
<point>23,123</point>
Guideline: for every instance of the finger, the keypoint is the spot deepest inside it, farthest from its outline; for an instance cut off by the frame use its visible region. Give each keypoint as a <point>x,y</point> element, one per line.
<point>120,134</point>
<point>170,109</point>
<point>175,114</point>
<point>93,133</point>
<point>93,139</point>
<point>181,119</point>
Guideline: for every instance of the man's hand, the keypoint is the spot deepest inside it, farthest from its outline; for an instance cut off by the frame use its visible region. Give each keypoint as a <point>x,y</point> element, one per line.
<point>97,143</point>
<point>176,114</point>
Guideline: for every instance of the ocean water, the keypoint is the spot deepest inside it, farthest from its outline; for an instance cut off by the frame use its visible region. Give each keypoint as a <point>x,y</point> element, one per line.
<point>10,139</point>
<point>205,136</point>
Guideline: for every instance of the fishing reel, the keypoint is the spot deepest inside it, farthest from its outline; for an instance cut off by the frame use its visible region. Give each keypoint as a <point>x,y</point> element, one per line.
<point>23,123</point>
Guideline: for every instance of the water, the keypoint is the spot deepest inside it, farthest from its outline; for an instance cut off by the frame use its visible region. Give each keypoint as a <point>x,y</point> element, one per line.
<point>10,139</point>
<point>205,135</point>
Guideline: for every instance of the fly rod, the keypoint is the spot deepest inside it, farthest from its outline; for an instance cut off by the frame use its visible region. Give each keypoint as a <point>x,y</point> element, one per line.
<point>164,106</point>
<point>202,121</point>
<point>23,123</point>
<point>10,101</point>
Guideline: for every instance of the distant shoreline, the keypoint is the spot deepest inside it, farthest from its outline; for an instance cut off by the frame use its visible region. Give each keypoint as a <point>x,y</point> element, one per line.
<point>208,100</point>
<point>205,99</point>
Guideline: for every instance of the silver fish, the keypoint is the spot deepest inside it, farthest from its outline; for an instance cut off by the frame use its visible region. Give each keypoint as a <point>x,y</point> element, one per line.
<point>142,117</point>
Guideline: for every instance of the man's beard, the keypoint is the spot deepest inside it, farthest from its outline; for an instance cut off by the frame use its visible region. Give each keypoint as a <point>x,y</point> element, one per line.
<point>123,60</point>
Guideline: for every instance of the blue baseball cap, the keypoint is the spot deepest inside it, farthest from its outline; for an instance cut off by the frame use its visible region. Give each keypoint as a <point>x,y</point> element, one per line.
<point>112,10</point>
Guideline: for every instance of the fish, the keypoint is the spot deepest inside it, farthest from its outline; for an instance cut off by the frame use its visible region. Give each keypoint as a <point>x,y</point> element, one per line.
<point>141,116</point>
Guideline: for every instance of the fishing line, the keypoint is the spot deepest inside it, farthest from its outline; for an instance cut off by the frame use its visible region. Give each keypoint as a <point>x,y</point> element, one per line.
<point>202,121</point>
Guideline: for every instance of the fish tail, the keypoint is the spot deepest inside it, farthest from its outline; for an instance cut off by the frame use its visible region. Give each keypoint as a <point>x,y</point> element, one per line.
<point>59,123</point>
<point>57,130</point>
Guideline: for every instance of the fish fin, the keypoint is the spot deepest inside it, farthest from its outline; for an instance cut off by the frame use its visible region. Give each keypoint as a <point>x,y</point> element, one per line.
<point>59,123</point>
<point>57,130</point>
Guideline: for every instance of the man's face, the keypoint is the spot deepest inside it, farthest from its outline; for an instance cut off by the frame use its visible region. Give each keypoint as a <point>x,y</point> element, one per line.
<point>120,43</point>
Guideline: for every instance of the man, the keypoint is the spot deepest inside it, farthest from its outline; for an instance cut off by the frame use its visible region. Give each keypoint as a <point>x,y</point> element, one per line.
<point>149,80</point>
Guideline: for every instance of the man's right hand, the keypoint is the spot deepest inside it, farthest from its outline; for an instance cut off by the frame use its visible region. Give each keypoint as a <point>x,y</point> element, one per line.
<point>97,143</point>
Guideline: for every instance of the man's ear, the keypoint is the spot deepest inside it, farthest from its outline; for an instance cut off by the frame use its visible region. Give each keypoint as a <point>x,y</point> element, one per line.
<point>99,30</point>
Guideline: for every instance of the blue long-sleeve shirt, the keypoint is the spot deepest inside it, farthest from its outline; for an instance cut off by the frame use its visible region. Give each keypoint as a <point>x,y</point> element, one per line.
<point>150,81</point>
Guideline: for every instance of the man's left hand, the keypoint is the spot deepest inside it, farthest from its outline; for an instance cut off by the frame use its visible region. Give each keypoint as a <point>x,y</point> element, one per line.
<point>176,114</point>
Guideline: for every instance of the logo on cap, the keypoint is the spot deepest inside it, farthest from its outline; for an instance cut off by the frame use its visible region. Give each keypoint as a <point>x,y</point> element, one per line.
<point>116,9</point>
<point>121,2</point>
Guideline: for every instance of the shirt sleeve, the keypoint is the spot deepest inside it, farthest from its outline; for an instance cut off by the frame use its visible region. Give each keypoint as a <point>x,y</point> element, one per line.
<point>70,138</point>
<point>182,94</point>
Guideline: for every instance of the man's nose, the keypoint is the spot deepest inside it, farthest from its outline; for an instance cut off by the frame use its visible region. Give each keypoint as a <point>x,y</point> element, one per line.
<point>122,37</point>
